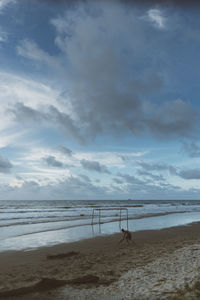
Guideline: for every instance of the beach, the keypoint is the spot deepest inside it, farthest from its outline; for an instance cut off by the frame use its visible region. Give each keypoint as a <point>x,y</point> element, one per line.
<point>26,225</point>
<point>158,264</point>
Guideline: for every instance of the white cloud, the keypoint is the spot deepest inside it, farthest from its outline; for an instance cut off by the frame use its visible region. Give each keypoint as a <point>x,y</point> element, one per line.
<point>109,159</point>
<point>4,3</point>
<point>3,35</point>
<point>15,89</point>
<point>11,138</point>
<point>30,49</point>
<point>156,17</point>
<point>16,138</point>
<point>37,169</point>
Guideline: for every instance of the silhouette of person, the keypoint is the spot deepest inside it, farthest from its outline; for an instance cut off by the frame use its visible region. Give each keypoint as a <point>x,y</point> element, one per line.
<point>126,236</point>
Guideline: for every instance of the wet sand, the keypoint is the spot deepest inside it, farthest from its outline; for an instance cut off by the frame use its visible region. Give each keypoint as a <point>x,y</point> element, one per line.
<point>158,264</point>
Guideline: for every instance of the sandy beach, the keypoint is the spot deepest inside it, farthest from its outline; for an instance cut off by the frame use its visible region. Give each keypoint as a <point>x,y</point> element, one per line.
<point>158,264</point>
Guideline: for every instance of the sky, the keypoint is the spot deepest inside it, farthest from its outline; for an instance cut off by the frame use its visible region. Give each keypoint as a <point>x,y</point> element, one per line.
<point>99,100</point>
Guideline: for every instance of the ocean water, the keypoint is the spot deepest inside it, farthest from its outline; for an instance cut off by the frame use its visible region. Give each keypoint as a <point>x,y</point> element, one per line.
<point>25,225</point>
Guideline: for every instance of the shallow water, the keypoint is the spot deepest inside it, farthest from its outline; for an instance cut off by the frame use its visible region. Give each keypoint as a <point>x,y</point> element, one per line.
<point>63,235</point>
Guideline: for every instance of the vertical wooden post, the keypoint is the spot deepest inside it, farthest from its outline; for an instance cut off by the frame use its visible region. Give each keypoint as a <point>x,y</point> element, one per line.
<point>127,217</point>
<point>120,218</point>
<point>92,216</point>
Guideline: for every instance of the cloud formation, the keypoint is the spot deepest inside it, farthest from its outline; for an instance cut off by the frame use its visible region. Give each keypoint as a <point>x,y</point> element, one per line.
<point>49,115</point>
<point>106,83</point>
<point>29,49</point>
<point>130,179</point>
<point>107,79</point>
<point>155,16</point>
<point>153,166</point>
<point>5,165</point>
<point>53,162</point>
<point>94,166</point>
<point>192,149</point>
<point>65,150</point>
<point>172,119</point>
<point>3,35</point>
<point>150,175</point>
<point>4,3</point>
<point>190,174</point>
<point>129,2</point>
<point>3,30</point>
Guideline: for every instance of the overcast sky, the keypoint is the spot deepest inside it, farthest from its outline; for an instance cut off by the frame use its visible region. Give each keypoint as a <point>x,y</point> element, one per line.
<point>99,99</point>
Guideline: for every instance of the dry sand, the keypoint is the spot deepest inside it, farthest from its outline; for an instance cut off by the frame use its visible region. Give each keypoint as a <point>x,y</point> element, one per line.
<point>160,264</point>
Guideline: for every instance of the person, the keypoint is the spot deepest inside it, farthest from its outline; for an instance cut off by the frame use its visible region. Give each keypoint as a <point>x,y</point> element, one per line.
<point>126,236</point>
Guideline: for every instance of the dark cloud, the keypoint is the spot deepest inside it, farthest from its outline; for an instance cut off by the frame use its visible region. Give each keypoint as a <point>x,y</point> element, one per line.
<point>175,118</point>
<point>179,3</point>
<point>65,122</point>
<point>65,150</point>
<point>191,149</point>
<point>53,162</point>
<point>5,165</point>
<point>115,59</point>
<point>94,166</point>
<point>117,180</point>
<point>104,98</point>
<point>153,167</point>
<point>46,115</point>
<point>30,185</point>
<point>124,158</point>
<point>156,167</point>
<point>143,188</point>
<point>173,170</point>
<point>150,175</point>
<point>85,177</point>
<point>25,113</point>
<point>130,179</point>
<point>185,173</point>
<point>58,2</point>
<point>190,174</point>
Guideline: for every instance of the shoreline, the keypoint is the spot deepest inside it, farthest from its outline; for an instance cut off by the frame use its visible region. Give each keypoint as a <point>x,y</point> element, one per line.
<point>99,266</point>
<point>27,237</point>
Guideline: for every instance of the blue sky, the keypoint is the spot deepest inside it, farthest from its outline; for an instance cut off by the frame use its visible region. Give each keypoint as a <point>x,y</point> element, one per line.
<point>99,100</point>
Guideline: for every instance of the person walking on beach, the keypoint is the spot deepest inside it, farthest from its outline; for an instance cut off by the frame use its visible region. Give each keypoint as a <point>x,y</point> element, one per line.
<point>126,236</point>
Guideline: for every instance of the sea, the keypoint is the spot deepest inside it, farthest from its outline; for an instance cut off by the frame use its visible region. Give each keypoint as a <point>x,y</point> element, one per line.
<point>27,225</point>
